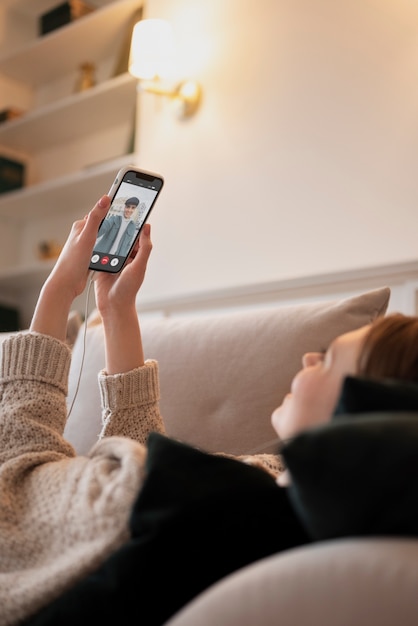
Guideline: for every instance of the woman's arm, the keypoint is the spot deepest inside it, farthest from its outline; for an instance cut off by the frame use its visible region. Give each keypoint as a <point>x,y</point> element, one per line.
<point>34,366</point>
<point>116,301</point>
<point>130,390</point>
<point>69,275</point>
<point>129,387</point>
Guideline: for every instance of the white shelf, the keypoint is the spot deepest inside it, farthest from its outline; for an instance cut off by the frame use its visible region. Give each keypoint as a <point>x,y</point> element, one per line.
<point>34,8</point>
<point>80,188</point>
<point>75,116</point>
<point>92,37</point>
<point>14,281</point>
<point>75,120</point>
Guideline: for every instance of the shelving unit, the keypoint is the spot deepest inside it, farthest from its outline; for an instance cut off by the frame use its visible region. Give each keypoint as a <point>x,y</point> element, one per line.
<point>46,58</point>
<point>74,116</point>
<point>66,192</point>
<point>47,129</point>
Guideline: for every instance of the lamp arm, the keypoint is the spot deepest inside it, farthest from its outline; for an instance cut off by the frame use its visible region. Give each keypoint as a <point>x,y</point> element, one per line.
<point>188,93</point>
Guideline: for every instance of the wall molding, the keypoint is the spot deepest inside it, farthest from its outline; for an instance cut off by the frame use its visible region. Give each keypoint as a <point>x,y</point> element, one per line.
<point>402,278</point>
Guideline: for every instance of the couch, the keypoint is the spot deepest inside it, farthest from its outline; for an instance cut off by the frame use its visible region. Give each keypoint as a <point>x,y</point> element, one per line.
<point>342,581</point>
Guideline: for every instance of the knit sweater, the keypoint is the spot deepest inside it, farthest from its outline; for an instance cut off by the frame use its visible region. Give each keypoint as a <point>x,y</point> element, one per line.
<point>62,515</point>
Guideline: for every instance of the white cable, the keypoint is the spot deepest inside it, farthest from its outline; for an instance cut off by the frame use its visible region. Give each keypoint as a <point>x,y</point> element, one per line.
<point>259,449</point>
<point>86,308</point>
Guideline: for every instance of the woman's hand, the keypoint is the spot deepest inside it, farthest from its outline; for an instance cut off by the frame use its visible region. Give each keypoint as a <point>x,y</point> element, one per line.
<point>69,276</point>
<point>72,267</point>
<point>116,301</point>
<point>116,292</point>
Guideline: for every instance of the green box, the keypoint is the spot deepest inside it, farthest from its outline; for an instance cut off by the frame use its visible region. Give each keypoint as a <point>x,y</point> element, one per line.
<point>9,319</point>
<point>12,175</point>
<point>63,14</point>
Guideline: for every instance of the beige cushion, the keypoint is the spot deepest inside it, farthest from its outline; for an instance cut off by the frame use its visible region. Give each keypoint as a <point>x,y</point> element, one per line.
<point>364,582</point>
<point>221,376</point>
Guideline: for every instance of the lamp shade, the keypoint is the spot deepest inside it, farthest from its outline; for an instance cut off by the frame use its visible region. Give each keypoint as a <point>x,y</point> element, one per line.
<point>151,49</point>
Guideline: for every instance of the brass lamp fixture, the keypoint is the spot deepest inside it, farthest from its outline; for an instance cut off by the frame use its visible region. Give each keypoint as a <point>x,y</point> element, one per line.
<point>150,59</point>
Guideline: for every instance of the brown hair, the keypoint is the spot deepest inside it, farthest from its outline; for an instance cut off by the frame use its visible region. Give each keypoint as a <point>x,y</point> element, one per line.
<point>390,349</point>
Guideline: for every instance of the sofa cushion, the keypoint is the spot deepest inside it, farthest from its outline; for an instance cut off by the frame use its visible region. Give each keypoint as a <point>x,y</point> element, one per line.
<point>356,477</point>
<point>364,582</point>
<point>221,375</point>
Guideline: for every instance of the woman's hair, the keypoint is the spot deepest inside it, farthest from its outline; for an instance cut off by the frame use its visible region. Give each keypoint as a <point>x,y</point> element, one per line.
<point>390,349</point>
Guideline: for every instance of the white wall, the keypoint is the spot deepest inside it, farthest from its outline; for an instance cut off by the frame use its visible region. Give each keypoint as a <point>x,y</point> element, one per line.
<point>303,157</point>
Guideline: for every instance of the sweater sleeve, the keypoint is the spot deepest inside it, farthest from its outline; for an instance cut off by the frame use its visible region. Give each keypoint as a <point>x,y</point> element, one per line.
<point>130,403</point>
<point>33,387</point>
<point>61,515</point>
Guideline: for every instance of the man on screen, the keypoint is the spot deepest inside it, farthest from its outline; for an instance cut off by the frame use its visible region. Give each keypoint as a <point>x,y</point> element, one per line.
<point>117,231</point>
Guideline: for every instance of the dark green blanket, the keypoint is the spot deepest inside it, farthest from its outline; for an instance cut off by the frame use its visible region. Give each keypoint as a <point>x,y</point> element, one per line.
<point>197,518</point>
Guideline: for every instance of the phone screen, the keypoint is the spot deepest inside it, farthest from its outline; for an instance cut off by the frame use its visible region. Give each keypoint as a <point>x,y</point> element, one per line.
<point>129,209</point>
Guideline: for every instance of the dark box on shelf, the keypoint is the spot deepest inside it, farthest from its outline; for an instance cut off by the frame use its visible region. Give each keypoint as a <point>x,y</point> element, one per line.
<point>63,14</point>
<point>9,319</point>
<point>10,114</point>
<point>12,175</point>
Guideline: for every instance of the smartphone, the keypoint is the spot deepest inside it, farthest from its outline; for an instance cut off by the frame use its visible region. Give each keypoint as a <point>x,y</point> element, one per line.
<point>133,195</point>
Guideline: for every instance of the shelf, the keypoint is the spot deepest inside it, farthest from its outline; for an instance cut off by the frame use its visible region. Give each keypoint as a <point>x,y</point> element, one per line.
<point>17,279</point>
<point>62,194</point>
<point>90,38</point>
<point>34,8</point>
<point>73,117</point>
<point>63,128</point>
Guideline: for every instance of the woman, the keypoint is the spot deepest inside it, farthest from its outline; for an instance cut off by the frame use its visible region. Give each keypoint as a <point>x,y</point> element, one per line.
<point>385,349</point>
<point>64,518</point>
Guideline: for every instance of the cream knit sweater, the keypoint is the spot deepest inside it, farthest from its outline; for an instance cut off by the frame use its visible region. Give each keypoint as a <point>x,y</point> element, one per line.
<point>61,515</point>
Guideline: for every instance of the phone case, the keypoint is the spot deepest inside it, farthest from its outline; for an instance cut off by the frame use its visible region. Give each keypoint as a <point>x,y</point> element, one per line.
<point>133,194</point>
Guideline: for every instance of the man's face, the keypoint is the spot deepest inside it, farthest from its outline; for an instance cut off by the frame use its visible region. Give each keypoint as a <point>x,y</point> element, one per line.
<point>129,209</point>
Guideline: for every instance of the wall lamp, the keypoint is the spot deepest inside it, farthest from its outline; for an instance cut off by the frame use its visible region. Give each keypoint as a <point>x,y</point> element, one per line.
<point>151,58</point>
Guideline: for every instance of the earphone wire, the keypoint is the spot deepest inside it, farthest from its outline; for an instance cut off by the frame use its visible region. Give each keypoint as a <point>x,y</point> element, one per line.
<point>86,309</point>
<point>266,444</point>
